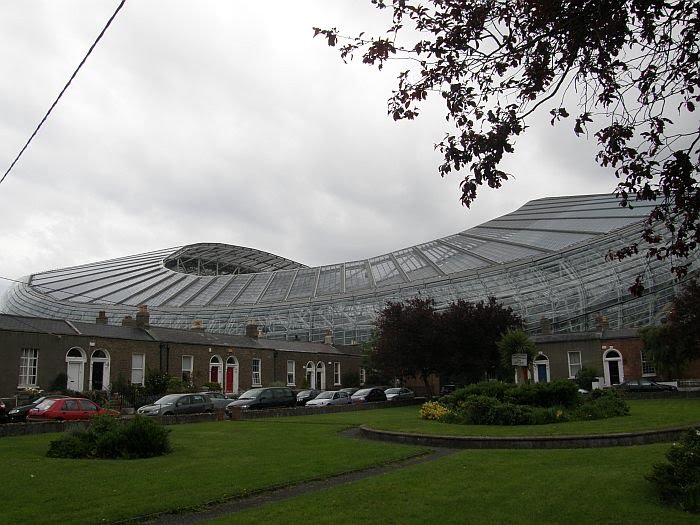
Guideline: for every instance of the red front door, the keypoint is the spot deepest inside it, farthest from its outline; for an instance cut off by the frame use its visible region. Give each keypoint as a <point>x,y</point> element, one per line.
<point>229,380</point>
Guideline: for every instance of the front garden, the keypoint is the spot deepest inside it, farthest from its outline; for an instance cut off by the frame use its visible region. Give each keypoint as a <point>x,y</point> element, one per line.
<point>216,461</point>
<point>495,403</point>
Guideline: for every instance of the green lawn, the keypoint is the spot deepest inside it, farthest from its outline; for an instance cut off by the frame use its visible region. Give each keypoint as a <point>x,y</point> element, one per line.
<point>484,487</point>
<point>215,461</point>
<point>210,461</point>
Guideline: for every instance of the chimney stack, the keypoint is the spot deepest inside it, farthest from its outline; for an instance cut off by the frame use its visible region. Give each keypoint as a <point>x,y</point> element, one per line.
<point>142,316</point>
<point>251,329</point>
<point>328,338</point>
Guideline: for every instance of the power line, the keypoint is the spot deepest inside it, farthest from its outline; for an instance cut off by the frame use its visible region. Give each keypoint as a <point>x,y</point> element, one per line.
<point>121,4</point>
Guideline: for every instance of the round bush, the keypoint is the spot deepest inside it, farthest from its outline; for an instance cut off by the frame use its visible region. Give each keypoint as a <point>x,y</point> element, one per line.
<point>677,482</point>
<point>108,438</point>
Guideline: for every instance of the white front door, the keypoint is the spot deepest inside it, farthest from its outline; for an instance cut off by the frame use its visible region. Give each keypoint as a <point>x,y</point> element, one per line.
<point>74,371</point>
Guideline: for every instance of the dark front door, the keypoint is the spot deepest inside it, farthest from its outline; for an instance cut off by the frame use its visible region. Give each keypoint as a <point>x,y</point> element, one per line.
<point>98,370</point>
<point>614,368</point>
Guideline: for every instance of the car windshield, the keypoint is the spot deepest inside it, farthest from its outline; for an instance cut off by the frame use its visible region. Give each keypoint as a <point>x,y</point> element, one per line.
<point>304,393</point>
<point>325,395</point>
<point>45,404</point>
<point>392,391</point>
<point>362,392</point>
<point>167,400</point>
<point>251,394</point>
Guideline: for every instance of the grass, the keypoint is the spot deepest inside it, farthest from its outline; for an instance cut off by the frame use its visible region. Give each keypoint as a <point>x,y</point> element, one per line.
<point>483,487</point>
<point>210,462</point>
<point>219,460</point>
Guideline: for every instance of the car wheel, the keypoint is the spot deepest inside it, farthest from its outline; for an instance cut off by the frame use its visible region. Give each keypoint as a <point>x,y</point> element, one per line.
<point>168,414</point>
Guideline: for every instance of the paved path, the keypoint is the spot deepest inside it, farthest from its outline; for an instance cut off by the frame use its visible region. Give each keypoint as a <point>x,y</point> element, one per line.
<point>273,496</point>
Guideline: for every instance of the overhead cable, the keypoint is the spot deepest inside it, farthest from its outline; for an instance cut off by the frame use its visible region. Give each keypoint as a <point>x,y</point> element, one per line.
<point>121,4</point>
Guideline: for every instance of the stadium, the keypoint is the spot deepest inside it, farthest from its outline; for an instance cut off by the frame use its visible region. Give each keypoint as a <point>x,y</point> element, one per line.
<point>546,260</point>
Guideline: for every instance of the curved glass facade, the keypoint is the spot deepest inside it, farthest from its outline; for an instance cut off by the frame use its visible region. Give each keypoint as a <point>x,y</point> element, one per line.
<point>546,260</point>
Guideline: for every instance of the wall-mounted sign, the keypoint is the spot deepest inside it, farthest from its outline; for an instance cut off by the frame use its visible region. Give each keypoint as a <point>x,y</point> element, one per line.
<point>518,359</point>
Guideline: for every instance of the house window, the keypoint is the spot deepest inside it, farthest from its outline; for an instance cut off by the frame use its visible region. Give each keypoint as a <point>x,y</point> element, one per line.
<point>257,381</point>
<point>363,375</point>
<point>28,365</point>
<point>336,373</point>
<point>187,367</point>
<point>648,366</point>
<point>138,364</point>
<point>574,364</point>
<point>291,378</point>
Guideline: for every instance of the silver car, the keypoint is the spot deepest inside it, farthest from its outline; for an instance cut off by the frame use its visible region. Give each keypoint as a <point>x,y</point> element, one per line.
<point>331,397</point>
<point>173,404</point>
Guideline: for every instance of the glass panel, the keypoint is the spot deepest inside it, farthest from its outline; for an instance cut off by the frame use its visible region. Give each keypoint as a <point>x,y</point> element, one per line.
<point>329,280</point>
<point>279,286</point>
<point>304,284</point>
<point>232,290</point>
<point>252,293</point>
<point>357,276</point>
<point>385,271</point>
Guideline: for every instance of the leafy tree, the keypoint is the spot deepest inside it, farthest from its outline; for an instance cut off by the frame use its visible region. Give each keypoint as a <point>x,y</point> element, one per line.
<point>516,342</point>
<point>624,71</point>
<point>407,340</point>
<point>470,334</point>
<point>413,338</point>
<point>676,343</point>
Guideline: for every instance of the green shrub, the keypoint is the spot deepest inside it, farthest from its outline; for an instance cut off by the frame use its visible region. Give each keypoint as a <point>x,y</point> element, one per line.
<point>494,389</point>
<point>492,403</point>
<point>585,377</point>
<point>484,410</point>
<point>549,395</point>
<point>677,482</point>
<point>71,445</point>
<point>108,438</point>
<point>602,404</point>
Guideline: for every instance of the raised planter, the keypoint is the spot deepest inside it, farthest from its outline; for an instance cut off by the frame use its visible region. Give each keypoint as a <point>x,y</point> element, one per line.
<point>622,439</point>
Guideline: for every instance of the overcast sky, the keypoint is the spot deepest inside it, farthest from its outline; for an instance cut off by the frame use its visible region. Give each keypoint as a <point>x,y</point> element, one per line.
<point>225,121</point>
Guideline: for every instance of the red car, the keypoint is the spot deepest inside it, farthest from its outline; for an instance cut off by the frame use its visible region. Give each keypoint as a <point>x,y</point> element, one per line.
<point>68,409</point>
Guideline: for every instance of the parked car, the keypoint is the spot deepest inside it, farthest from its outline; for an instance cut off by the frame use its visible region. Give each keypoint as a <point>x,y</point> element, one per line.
<point>305,396</point>
<point>19,414</point>
<point>68,409</point>
<point>645,385</point>
<point>330,397</point>
<point>350,390</point>
<point>260,398</point>
<point>395,394</point>
<point>368,395</point>
<point>218,399</point>
<point>446,390</point>
<point>173,404</point>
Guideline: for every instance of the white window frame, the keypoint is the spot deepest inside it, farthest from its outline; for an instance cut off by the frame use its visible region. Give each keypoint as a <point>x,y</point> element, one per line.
<point>138,369</point>
<point>187,371</point>
<point>572,365</point>
<point>336,373</point>
<point>291,373</point>
<point>28,367</point>
<point>363,375</point>
<point>256,369</point>
<point>648,366</point>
